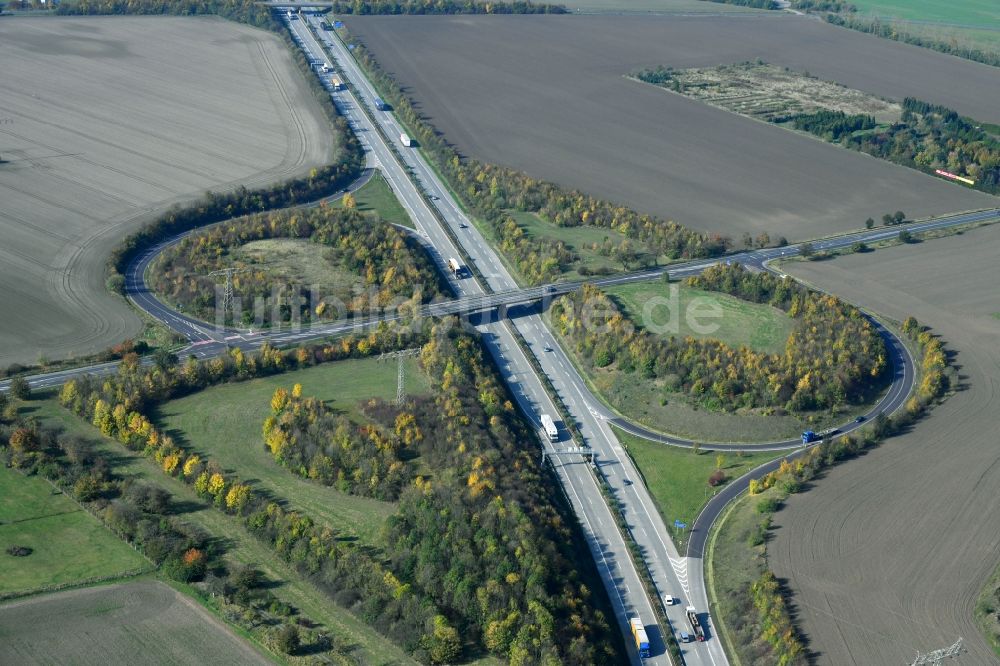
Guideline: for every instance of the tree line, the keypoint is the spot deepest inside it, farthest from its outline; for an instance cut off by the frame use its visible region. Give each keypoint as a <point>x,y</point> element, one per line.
<point>833,356</point>
<point>477,549</point>
<point>362,7</point>
<point>927,137</point>
<point>492,191</point>
<point>389,265</point>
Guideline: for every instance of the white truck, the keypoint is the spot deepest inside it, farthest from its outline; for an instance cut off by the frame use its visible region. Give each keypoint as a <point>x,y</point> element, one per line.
<point>550,428</point>
<point>455,267</point>
<point>336,83</point>
<point>326,68</point>
<point>405,139</point>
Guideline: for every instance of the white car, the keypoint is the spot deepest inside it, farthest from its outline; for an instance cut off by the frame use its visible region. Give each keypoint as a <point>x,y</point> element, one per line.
<point>669,600</point>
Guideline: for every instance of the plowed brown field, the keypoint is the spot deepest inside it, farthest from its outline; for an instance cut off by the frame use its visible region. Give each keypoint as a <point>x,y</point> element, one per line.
<point>887,553</point>
<point>549,95</point>
<point>105,121</point>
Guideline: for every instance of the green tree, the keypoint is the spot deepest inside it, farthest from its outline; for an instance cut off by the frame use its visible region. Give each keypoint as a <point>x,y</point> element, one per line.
<point>807,250</point>
<point>288,639</point>
<point>869,223</point>
<point>19,388</point>
<point>899,217</point>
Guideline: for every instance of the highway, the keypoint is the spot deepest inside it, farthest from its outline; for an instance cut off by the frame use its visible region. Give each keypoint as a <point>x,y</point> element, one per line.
<point>440,223</point>
<point>607,546</point>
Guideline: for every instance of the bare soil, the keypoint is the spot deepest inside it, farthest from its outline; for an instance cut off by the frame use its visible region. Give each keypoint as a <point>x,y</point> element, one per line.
<point>887,554</point>
<point>104,122</point>
<point>550,95</point>
<point>142,621</point>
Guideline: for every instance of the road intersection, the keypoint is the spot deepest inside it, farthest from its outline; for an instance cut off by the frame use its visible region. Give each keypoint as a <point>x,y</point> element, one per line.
<point>447,231</point>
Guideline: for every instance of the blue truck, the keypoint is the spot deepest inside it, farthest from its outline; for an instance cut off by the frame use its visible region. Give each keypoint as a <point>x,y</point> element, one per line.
<point>808,437</point>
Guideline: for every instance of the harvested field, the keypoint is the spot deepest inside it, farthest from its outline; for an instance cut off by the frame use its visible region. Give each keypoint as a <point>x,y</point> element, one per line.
<point>106,121</point>
<point>117,624</point>
<point>549,95</point>
<point>887,553</point>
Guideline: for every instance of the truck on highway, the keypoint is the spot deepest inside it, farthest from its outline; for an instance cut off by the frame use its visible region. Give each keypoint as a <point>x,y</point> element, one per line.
<point>808,437</point>
<point>405,139</point>
<point>326,68</point>
<point>639,634</point>
<point>692,616</point>
<point>551,431</point>
<point>336,83</point>
<point>291,15</point>
<point>380,104</point>
<point>454,267</point>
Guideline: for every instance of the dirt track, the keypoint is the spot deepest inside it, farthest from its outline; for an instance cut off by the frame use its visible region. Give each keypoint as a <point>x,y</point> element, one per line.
<point>887,553</point>
<point>106,121</point>
<point>548,94</point>
<point>138,622</point>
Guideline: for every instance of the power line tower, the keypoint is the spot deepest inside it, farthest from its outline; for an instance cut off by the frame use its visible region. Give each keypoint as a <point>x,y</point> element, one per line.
<point>227,299</point>
<point>937,656</point>
<point>400,357</point>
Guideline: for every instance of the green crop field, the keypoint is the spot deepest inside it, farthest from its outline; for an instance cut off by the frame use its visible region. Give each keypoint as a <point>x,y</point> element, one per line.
<point>224,423</point>
<point>760,327</point>
<point>678,478</point>
<point>982,14</point>
<point>68,543</point>
<point>974,23</point>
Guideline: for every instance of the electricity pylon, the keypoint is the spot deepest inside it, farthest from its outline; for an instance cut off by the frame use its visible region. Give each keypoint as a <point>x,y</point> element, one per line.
<point>227,299</point>
<point>400,357</point>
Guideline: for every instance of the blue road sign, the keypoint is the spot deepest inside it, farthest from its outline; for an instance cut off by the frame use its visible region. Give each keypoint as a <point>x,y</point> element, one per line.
<point>679,525</point>
<point>338,24</point>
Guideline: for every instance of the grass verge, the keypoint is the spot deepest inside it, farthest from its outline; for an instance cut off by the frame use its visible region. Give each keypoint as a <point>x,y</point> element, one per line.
<point>224,423</point>
<point>678,478</point>
<point>377,197</point>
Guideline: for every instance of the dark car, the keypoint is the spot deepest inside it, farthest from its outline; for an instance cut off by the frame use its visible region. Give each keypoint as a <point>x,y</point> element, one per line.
<point>860,419</point>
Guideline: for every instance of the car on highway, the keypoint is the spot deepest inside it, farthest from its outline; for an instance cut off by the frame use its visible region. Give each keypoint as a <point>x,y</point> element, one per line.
<point>669,600</point>
<point>463,226</point>
<point>547,348</point>
<point>860,419</point>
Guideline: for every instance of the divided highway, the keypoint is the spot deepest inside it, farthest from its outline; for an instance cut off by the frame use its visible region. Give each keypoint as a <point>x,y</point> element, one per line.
<point>440,223</point>
<point>606,544</point>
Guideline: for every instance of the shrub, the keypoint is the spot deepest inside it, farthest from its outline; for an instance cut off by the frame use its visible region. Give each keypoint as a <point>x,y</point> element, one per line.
<point>716,478</point>
<point>768,505</point>
<point>19,388</point>
<point>19,551</point>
